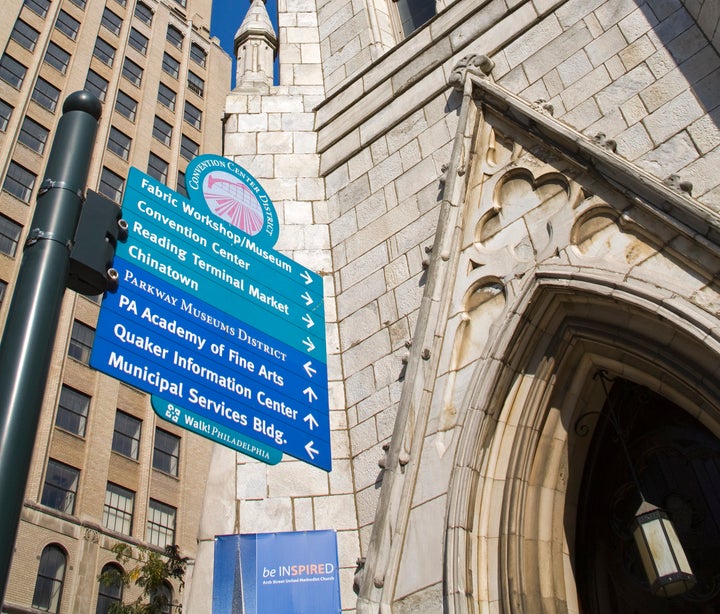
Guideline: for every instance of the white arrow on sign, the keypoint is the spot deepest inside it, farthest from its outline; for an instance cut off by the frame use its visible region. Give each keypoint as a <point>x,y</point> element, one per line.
<point>310,450</point>
<point>310,419</point>
<point>307,342</point>
<point>309,368</point>
<point>308,320</point>
<point>307,277</point>
<point>307,297</point>
<point>310,394</point>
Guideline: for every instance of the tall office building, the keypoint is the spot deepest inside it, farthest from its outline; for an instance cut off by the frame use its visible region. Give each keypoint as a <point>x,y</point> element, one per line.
<point>104,469</point>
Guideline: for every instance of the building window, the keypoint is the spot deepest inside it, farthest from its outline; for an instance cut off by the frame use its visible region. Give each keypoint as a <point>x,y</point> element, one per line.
<point>126,436</point>
<point>95,84</point>
<point>166,96</point>
<point>144,13</point>
<point>414,13</point>
<point>118,509</point>
<point>132,72</point>
<point>72,411</point>
<point>195,83</point>
<point>125,105</point>
<point>166,451</point>
<point>111,185</point>
<point>46,94</point>
<point>60,489</point>
<point>193,115</point>
<point>67,24</point>
<point>162,597</point>
<point>81,4</point>
<point>162,131</point>
<point>81,341</point>
<point>9,235</point>
<point>119,143</point>
<point>182,3</point>
<point>3,289</point>
<point>39,7</point>
<point>50,579</point>
<point>110,588</point>
<point>170,65</point>
<point>57,57</point>
<point>138,41</point>
<point>198,54</point>
<point>19,181</point>
<point>33,135</point>
<point>5,113</point>
<point>25,35</point>
<point>160,530</point>
<point>104,51</point>
<point>174,37</point>
<point>157,168</point>
<point>188,148</point>
<point>111,21</point>
<point>181,188</point>
<point>11,71</point>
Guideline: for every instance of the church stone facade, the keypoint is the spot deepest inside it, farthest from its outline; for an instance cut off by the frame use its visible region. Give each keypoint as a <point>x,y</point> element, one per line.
<point>515,210</point>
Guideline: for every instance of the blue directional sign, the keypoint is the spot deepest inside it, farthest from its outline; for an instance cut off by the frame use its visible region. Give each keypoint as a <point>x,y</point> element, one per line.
<point>225,333</point>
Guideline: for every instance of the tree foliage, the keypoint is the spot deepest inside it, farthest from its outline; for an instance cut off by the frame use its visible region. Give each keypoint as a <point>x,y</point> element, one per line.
<point>151,573</point>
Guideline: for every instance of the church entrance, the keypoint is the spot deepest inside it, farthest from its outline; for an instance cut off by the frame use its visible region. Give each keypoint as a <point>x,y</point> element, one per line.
<point>677,463</point>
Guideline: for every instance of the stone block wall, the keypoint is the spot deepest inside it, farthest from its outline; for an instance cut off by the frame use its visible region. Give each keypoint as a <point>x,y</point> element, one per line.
<point>353,35</point>
<point>642,74</point>
<point>707,15</point>
<point>353,151</point>
<point>384,207</point>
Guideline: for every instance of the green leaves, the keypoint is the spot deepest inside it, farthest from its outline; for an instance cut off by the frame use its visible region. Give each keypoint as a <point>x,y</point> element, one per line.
<point>152,572</point>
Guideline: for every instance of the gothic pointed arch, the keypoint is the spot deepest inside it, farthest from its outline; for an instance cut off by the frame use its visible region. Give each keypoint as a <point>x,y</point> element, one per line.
<point>593,262</point>
<point>520,462</point>
<point>553,258</point>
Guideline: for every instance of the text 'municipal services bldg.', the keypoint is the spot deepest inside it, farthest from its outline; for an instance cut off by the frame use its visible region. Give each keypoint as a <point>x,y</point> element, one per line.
<point>514,206</point>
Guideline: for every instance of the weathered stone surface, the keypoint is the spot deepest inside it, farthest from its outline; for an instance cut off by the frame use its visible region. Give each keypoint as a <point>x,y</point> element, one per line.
<point>384,169</point>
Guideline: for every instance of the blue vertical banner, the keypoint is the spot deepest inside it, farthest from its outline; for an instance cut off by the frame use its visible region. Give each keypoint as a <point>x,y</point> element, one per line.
<point>276,573</point>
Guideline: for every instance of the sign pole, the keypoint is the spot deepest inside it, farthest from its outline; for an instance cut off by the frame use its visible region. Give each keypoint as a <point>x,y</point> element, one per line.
<point>31,325</point>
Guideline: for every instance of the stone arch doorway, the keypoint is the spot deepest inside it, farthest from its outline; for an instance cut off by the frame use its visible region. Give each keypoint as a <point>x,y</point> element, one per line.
<point>516,489</point>
<point>677,462</point>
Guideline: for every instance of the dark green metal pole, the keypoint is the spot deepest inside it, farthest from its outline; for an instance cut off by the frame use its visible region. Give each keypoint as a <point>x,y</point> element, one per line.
<point>29,333</point>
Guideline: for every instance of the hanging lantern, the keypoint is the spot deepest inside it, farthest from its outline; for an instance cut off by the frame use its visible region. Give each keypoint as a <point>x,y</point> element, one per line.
<point>662,554</point>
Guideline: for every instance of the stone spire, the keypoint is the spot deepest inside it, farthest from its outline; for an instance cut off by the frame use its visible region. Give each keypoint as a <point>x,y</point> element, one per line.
<point>255,45</point>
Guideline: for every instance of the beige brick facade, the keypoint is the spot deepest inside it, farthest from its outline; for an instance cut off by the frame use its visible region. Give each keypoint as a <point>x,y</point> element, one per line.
<point>143,38</point>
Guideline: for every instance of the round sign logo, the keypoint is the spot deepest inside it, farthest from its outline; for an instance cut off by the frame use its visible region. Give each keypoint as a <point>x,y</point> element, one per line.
<point>233,195</point>
<point>233,201</point>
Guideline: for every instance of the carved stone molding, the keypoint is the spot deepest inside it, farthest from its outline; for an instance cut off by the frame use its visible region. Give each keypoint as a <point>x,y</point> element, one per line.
<point>676,183</point>
<point>475,64</point>
<point>91,535</point>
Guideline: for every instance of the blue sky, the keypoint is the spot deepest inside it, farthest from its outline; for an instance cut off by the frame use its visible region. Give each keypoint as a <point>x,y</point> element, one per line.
<point>227,15</point>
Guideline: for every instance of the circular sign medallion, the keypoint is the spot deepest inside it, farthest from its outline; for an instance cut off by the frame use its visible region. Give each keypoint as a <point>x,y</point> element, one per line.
<point>234,196</point>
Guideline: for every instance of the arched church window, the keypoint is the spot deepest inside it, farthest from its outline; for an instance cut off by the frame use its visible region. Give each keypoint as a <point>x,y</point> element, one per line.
<point>110,588</point>
<point>50,579</point>
<point>413,13</point>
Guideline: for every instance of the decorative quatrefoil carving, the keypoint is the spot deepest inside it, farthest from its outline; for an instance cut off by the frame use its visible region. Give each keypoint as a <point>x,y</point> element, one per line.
<point>518,194</point>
